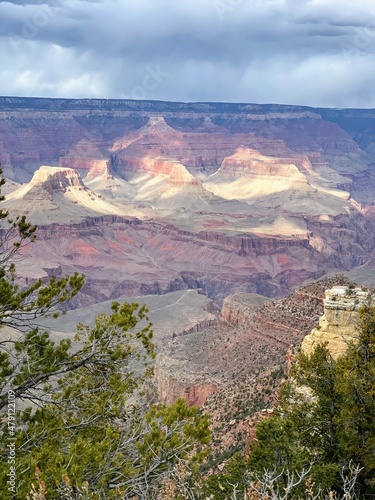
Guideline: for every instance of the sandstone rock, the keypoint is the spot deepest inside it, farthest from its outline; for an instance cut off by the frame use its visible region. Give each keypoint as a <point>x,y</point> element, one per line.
<point>250,162</point>
<point>289,181</point>
<point>37,131</point>
<point>337,327</point>
<point>223,359</point>
<point>171,388</point>
<point>138,257</point>
<point>54,179</point>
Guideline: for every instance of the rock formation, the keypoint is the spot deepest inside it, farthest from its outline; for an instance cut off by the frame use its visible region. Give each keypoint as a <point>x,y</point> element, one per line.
<point>238,309</point>
<point>57,194</point>
<point>237,200</point>
<point>124,255</point>
<point>337,326</point>
<point>55,180</point>
<point>237,365</point>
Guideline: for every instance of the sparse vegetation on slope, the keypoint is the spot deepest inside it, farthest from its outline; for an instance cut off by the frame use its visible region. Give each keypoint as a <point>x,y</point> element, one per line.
<point>322,430</point>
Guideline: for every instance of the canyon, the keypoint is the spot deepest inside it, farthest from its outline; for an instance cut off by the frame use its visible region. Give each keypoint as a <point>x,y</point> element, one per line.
<point>234,368</point>
<point>151,197</point>
<point>219,217</point>
<point>231,361</point>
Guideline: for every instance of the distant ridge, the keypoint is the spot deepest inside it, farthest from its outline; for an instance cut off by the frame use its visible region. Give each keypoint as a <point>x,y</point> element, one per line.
<point>59,104</point>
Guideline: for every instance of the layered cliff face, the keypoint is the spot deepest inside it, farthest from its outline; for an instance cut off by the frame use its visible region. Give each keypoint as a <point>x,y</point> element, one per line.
<point>238,309</point>
<point>35,131</point>
<point>254,335</point>
<point>236,366</point>
<point>201,149</point>
<point>166,184</point>
<point>227,198</point>
<point>122,255</point>
<point>89,166</point>
<point>173,170</point>
<point>83,155</point>
<point>277,149</point>
<point>250,174</point>
<point>337,326</point>
<point>55,180</point>
<point>252,162</point>
<point>290,182</point>
<point>267,149</point>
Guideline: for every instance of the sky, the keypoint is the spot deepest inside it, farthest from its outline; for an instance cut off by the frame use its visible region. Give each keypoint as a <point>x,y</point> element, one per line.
<point>307,52</point>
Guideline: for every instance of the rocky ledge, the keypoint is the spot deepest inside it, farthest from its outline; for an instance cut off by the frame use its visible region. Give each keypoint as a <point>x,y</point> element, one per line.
<point>338,325</point>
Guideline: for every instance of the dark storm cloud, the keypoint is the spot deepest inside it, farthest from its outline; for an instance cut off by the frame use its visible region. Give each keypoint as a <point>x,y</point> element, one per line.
<point>318,52</point>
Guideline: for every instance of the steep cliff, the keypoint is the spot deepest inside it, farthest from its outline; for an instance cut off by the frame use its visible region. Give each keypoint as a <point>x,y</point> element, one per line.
<point>200,136</point>
<point>125,255</point>
<point>238,309</point>
<point>234,368</point>
<point>337,326</point>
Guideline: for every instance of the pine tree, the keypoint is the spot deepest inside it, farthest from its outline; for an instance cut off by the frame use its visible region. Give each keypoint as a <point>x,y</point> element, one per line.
<point>85,425</point>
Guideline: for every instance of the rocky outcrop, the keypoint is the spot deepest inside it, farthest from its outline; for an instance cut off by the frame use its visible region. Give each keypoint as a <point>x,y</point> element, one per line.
<point>337,326</point>
<point>55,179</point>
<point>87,157</point>
<point>250,162</point>
<point>239,309</point>
<point>176,173</point>
<point>92,166</point>
<point>58,195</point>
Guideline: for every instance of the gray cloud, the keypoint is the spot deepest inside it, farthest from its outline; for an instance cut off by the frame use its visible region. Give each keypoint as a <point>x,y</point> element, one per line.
<point>315,52</point>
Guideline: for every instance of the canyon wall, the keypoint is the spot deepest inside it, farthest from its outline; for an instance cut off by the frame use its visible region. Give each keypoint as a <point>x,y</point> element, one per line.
<point>252,338</point>
<point>128,256</point>
<point>228,198</point>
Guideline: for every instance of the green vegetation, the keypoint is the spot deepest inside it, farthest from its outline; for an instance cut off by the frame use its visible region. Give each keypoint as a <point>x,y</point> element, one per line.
<point>84,425</point>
